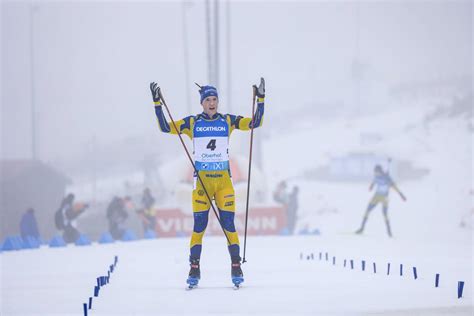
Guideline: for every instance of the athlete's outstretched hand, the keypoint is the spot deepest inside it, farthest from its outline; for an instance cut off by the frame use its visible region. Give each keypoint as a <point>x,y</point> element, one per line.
<point>260,90</point>
<point>155,93</point>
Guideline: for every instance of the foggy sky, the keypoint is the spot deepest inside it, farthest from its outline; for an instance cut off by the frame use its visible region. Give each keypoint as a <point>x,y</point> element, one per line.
<point>93,61</point>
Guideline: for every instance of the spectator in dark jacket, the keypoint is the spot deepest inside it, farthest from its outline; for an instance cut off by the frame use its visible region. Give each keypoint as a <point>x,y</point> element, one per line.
<point>279,195</point>
<point>117,215</point>
<point>289,201</point>
<point>69,213</point>
<point>291,209</point>
<point>29,225</point>
<point>148,212</point>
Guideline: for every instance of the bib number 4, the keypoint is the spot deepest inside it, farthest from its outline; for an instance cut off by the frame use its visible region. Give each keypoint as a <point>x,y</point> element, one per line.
<point>211,145</point>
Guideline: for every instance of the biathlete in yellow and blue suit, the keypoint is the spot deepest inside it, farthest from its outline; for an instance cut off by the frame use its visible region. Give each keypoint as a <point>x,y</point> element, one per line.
<point>383,182</point>
<point>210,132</point>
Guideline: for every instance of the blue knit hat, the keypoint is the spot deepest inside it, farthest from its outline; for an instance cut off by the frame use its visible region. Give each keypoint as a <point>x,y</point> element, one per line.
<point>208,91</point>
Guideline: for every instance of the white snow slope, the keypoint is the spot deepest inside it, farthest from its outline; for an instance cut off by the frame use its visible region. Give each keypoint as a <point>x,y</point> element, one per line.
<point>150,278</point>
<point>280,280</point>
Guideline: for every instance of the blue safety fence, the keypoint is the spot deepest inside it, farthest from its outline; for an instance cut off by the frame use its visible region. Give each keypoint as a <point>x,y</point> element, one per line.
<point>13,243</point>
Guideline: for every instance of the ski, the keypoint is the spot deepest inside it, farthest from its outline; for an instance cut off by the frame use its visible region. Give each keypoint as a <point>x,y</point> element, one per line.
<point>235,287</point>
<point>191,287</point>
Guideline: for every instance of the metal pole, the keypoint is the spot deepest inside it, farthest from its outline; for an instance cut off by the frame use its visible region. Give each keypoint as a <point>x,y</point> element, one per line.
<point>229,63</point>
<point>216,42</point>
<point>186,57</point>
<point>358,65</point>
<point>32,84</point>
<point>94,169</point>
<point>210,75</point>
<point>250,170</point>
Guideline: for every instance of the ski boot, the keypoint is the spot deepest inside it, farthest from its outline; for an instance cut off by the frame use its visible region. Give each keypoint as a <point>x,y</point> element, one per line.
<point>236,272</point>
<point>194,274</point>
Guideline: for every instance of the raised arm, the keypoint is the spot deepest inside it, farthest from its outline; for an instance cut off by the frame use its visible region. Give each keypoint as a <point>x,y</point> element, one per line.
<point>183,126</point>
<point>246,123</point>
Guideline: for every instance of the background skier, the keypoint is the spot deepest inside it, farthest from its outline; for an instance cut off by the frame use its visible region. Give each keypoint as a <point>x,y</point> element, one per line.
<point>383,183</point>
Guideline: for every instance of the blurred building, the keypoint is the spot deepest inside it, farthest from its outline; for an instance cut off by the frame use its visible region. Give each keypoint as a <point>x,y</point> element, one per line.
<point>29,183</point>
<point>359,166</point>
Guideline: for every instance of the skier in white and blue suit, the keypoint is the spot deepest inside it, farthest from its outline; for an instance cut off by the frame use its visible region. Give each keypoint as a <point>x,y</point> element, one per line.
<point>210,132</point>
<point>383,183</point>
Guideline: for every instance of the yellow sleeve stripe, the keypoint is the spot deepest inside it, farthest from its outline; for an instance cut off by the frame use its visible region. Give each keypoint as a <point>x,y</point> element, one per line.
<point>231,128</point>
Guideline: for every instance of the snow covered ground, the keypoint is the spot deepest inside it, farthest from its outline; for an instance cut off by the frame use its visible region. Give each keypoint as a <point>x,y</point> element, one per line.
<point>150,278</point>
<point>280,280</point>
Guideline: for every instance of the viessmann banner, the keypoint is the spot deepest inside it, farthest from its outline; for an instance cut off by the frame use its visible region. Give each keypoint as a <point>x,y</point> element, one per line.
<point>261,221</point>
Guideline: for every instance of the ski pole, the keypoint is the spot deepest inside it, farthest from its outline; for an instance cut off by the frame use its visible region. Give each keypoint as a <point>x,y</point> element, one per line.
<point>389,160</point>
<point>250,170</point>
<point>194,167</point>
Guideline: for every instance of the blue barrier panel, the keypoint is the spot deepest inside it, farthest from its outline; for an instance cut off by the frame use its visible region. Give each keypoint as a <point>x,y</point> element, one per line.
<point>316,232</point>
<point>129,235</point>
<point>180,234</point>
<point>19,242</point>
<point>83,240</point>
<point>150,234</point>
<point>31,242</point>
<point>106,238</point>
<point>304,232</point>
<point>284,231</point>
<point>11,243</point>
<point>57,241</point>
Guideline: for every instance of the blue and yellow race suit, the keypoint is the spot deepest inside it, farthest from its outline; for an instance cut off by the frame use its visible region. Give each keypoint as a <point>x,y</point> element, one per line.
<point>382,183</point>
<point>210,136</point>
